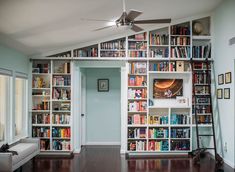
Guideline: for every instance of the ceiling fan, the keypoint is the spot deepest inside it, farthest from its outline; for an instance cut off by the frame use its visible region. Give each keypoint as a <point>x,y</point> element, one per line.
<point>129,20</point>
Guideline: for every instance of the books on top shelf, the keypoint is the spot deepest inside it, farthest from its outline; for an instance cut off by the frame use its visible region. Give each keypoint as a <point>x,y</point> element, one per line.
<point>113,45</point>
<point>86,52</point>
<point>138,37</point>
<point>158,39</point>
<point>180,30</point>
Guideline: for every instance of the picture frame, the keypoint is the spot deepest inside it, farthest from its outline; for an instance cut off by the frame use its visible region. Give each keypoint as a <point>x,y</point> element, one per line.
<point>226,93</point>
<point>228,78</point>
<point>221,79</point>
<point>220,93</point>
<point>103,85</point>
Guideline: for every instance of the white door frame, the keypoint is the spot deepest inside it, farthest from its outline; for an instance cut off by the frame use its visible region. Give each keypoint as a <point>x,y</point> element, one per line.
<point>83,109</point>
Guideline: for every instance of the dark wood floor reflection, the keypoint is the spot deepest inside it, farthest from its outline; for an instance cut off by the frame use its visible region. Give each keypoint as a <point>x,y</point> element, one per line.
<point>108,159</point>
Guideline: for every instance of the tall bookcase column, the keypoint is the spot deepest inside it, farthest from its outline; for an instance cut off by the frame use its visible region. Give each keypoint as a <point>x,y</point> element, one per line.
<point>180,41</point>
<point>137,106</point>
<point>137,45</point>
<point>41,104</point>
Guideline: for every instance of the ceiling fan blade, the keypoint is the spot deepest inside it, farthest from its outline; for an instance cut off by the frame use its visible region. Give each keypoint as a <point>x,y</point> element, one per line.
<point>136,28</point>
<point>152,21</point>
<point>133,14</point>
<point>86,19</point>
<point>102,28</point>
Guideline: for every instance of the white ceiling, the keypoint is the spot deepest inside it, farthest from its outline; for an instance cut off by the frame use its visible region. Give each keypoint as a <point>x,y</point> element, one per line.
<point>38,26</point>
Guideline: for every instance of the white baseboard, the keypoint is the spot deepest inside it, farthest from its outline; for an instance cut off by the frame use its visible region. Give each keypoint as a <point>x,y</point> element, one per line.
<point>77,150</point>
<point>103,143</point>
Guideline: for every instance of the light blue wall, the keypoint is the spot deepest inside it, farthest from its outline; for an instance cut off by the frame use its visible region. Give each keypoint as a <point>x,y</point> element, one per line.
<point>103,108</point>
<point>224,54</point>
<point>13,60</point>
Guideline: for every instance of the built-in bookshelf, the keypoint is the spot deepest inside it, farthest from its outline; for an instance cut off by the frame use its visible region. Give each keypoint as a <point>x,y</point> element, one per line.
<point>114,48</point>
<point>63,54</point>
<point>159,43</point>
<point>137,45</point>
<point>90,51</point>
<point>51,104</point>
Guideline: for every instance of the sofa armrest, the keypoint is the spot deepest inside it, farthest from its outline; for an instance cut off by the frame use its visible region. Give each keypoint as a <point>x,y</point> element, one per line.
<point>31,140</point>
<point>6,161</point>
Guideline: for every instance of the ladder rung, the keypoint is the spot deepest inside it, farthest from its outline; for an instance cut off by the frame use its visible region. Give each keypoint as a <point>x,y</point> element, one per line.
<point>205,135</point>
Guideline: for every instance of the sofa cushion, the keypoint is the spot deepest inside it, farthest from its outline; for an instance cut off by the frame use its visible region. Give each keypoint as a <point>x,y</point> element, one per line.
<point>23,150</point>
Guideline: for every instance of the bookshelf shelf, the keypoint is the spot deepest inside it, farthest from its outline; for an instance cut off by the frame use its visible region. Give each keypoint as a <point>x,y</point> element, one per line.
<point>135,125</point>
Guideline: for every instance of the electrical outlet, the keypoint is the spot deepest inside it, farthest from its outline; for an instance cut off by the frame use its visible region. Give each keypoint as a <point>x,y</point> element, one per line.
<point>225,147</point>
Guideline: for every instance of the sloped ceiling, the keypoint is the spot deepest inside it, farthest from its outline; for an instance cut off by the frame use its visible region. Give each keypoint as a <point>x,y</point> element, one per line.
<point>38,26</point>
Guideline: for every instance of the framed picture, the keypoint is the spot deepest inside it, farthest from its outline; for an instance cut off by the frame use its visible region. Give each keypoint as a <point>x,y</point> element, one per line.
<point>221,79</point>
<point>219,93</point>
<point>228,78</point>
<point>226,93</point>
<point>103,85</point>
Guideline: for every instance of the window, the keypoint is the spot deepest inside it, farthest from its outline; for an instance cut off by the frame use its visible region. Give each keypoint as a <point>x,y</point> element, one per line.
<point>4,105</point>
<point>20,107</point>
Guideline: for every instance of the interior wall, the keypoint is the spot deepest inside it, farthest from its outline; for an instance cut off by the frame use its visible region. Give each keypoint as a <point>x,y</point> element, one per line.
<point>103,109</point>
<point>224,29</point>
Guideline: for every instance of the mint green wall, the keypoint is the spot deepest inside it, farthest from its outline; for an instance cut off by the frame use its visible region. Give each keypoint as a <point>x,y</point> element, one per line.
<point>224,55</point>
<point>13,60</point>
<point>103,110</point>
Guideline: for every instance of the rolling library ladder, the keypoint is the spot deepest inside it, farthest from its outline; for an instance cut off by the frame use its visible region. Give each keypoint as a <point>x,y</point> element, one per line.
<point>202,99</point>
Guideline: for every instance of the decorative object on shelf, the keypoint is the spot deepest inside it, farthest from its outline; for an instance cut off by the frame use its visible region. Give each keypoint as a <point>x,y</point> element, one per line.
<point>228,78</point>
<point>221,79</point>
<point>103,85</point>
<point>226,93</point>
<point>197,28</point>
<point>220,93</point>
<point>151,102</point>
<point>182,100</point>
<point>167,88</point>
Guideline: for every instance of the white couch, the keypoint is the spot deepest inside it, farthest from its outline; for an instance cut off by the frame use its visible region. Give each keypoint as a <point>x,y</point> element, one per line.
<point>26,149</point>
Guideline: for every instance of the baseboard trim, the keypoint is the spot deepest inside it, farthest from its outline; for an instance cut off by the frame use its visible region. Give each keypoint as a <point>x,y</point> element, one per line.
<point>103,143</point>
<point>77,150</point>
<point>229,163</point>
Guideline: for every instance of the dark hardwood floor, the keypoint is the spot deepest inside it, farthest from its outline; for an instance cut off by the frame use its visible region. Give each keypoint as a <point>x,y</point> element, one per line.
<point>108,159</point>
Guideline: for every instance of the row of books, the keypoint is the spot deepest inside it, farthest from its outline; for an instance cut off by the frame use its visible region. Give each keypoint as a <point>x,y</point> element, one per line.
<point>112,54</point>
<point>165,66</point>
<point>158,133</point>
<point>137,81</point>
<point>137,53</point>
<point>61,81</point>
<point>203,119</point>
<point>137,93</point>
<point>40,132</point>
<point>200,78</point>
<point>202,109</point>
<point>138,68</point>
<point>180,52</point>
<point>202,100</point>
<point>137,45</point>
<point>137,106</point>
<point>86,52</point>
<point>200,65</point>
<point>114,45</point>
<point>140,37</point>
<point>61,119</point>
<point>180,119</point>
<point>201,51</point>
<point>61,106</point>
<point>180,30</point>
<point>158,119</point>
<point>41,118</point>
<point>61,94</point>
<point>199,89</point>
<point>136,145</point>
<point>158,39</point>
<point>179,40</point>
<point>180,145</point>
<point>159,53</point>
<point>180,133</point>
<point>61,145</point>
<point>44,144</point>
<point>41,105</point>
<point>41,68</point>
<point>61,132</point>
<point>158,145</point>
<point>137,119</point>
<point>136,133</point>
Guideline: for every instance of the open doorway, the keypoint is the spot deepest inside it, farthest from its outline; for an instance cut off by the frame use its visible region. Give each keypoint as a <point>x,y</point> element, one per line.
<point>100,109</point>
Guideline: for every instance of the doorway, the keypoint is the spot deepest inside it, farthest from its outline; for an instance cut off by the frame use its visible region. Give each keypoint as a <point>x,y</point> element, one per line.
<point>100,110</point>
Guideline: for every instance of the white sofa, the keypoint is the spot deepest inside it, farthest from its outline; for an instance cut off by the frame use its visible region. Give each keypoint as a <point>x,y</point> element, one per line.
<point>26,149</point>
